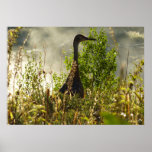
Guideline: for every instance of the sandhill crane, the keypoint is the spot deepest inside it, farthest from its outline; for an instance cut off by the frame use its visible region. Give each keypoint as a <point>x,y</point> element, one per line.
<point>73,83</point>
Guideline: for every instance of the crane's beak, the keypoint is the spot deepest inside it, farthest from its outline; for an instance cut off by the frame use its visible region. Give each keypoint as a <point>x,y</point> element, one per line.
<point>91,39</point>
<point>87,38</point>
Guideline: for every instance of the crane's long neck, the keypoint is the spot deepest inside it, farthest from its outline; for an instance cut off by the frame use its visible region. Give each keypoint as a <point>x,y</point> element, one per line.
<point>75,45</point>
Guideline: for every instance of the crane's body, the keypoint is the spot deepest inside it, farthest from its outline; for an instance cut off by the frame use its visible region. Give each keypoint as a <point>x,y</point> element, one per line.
<point>73,83</point>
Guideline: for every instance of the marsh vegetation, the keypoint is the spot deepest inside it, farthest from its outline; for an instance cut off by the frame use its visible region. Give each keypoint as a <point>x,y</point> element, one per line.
<point>109,99</point>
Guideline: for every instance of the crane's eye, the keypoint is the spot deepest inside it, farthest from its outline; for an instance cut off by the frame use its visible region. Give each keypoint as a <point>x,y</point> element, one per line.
<point>81,38</point>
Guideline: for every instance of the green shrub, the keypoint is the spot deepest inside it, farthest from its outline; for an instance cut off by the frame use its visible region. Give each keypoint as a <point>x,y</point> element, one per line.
<point>97,62</point>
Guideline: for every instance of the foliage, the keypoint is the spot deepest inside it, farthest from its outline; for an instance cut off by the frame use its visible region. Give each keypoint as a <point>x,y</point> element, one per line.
<point>12,37</point>
<point>58,80</point>
<point>13,34</point>
<point>113,101</point>
<point>97,62</point>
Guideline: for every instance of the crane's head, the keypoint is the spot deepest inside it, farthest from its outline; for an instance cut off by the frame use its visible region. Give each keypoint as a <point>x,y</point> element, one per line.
<point>79,38</point>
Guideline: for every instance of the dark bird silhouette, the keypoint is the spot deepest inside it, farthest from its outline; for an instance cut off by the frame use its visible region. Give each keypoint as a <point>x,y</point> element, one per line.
<point>73,83</point>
